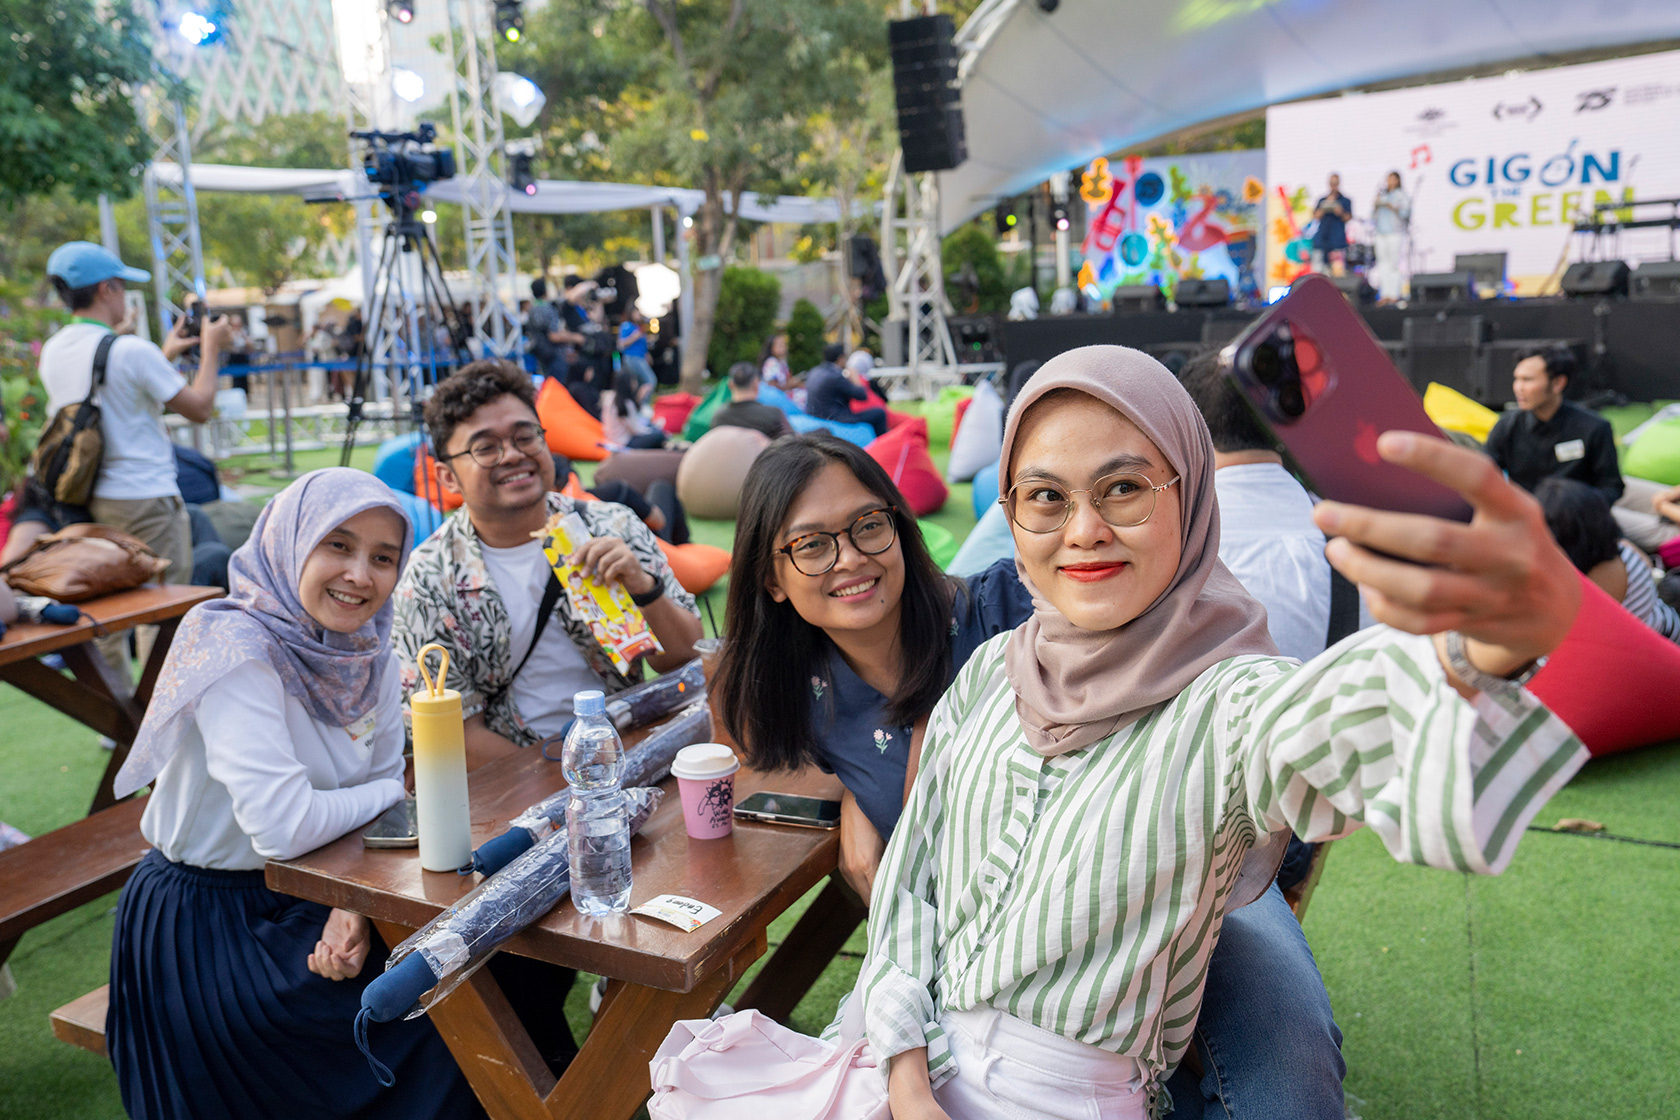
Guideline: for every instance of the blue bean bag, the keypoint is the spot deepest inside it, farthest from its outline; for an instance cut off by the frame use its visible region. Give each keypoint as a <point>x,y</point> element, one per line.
<point>861,434</point>
<point>776,398</point>
<point>393,463</point>
<point>985,489</point>
<point>426,517</point>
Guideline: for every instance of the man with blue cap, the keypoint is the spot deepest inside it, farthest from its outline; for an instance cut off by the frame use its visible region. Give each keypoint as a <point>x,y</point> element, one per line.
<point>136,489</point>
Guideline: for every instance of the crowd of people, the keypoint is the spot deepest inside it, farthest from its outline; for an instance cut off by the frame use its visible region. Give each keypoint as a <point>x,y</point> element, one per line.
<point>1076,779</point>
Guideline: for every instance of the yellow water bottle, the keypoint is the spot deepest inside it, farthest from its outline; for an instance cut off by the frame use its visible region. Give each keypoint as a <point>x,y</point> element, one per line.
<point>440,770</point>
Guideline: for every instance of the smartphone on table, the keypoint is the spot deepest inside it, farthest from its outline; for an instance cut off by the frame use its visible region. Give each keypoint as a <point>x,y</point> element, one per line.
<point>1319,380</point>
<point>396,827</point>
<point>789,808</point>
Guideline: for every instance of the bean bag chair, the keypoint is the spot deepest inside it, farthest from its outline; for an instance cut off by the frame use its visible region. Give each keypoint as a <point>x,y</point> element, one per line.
<point>697,566</point>
<point>426,485</point>
<point>640,468</point>
<point>393,463</point>
<point>941,413</point>
<point>903,454</point>
<point>941,543</point>
<point>427,519</point>
<point>1452,411</point>
<point>777,398</point>
<point>981,439</point>
<point>700,420</point>
<point>988,542</point>
<point>1606,679</point>
<point>574,490</point>
<point>569,430</point>
<point>672,410</point>
<point>957,418</point>
<point>712,472</point>
<point>1655,455</point>
<point>985,489</point>
<point>861,434</point>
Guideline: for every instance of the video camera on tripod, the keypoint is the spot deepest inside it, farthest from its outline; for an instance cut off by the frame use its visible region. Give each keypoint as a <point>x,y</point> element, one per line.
<point>403,164</point>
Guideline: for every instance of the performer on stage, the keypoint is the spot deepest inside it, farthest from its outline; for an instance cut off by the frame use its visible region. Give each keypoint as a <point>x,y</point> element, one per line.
<point>1329,243</point>
<point>1391,215</point>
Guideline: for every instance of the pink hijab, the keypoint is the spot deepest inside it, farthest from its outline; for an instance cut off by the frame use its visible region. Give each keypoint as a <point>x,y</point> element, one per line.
<point>1075,687</point>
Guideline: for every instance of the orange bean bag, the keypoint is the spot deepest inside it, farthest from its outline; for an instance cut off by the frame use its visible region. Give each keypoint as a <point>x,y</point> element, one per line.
<point>1613,679</point>
<point>569,430</point>
<point>697,566</point>
<point>903,452</point>
<point>428,487</point>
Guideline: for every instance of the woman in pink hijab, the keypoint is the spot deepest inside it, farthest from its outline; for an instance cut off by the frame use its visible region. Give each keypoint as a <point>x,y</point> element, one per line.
<point>1091,782</point>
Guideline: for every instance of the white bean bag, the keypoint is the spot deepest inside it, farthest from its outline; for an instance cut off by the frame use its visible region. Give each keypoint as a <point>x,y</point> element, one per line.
<point>980,439</point>
<point>711,474</point>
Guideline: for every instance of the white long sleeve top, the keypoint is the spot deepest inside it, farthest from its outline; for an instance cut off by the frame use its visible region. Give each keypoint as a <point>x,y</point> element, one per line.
<point>257,777</point>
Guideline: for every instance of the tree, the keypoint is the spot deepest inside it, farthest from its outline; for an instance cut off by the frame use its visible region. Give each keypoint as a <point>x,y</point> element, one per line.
<point>805,335</point>
<point>68,71</point>
<point>715,94</point>
<point>746,314</point>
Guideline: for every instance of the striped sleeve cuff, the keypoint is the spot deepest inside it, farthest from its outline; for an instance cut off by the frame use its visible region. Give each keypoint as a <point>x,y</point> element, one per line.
<point>1520,755</point>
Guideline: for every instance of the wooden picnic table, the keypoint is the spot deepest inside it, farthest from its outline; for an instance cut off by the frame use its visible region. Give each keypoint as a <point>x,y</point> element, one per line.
<point>94,694</point>
<point>657,973</point>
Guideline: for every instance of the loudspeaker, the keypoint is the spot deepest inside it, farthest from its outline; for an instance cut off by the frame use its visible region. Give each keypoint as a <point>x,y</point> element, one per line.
<point>930,121</point>
<point>1137,297</point>
<point>1596,278</point>
<point>1443,287</point>
<point>1657,280</point>
<point>1203,293</point>
<point>863,260</point>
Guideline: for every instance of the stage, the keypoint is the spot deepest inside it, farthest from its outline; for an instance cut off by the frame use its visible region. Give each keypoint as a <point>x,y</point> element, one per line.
<point>1629,346</point>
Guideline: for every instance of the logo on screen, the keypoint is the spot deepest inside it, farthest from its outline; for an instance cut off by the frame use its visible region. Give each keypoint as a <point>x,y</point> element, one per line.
<point>1594,99</point>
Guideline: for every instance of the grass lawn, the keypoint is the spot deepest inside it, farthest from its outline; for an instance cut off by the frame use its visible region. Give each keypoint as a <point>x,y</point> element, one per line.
<point>1548,993</point>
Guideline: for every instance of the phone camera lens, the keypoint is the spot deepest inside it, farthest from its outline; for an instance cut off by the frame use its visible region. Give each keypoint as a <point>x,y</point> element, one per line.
<point>1290,401</point>
<point>1266,364</point>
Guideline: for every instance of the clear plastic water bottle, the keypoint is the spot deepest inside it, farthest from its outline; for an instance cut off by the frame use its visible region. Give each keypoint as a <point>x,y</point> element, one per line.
<point>598,820</point>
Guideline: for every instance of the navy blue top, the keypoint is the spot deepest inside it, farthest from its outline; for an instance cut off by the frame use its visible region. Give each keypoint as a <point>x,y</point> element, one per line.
<point>829,395</point>
<point>849,719</point>
<point>1332,228</point>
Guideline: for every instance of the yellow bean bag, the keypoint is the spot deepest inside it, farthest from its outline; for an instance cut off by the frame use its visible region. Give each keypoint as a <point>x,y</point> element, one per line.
<point>1454,412</point>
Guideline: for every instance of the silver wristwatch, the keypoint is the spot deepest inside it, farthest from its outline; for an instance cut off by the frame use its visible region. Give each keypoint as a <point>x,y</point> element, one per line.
<point>1480,681</point>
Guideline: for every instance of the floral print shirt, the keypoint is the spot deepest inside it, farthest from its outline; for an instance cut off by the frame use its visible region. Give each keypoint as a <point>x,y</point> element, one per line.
<point>446,596</point>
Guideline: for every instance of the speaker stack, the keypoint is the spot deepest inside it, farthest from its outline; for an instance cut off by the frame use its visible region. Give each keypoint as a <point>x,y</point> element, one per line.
<point>930,120</point>
<point>1657,280</point>
<point>1591,279</point>
<point>1203,293</point>
<point>1443,287</point>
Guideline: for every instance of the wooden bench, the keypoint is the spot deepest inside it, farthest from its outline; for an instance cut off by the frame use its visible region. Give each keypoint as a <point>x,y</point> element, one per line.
<point>81,1022</point>
<point>60,870</point>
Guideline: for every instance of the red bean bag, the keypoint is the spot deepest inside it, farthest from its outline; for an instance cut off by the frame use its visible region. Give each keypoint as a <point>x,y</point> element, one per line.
<point>671,410</point>
<point>903,452</point>
<point>697,566</point>
<point>1614,679</point>
<point>428,487</point>
<point>957,418</point>
<point>873,400</point>
<point>569,430</point>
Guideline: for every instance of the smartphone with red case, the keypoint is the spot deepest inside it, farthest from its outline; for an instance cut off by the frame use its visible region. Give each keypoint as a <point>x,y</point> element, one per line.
<point>1318,378</point>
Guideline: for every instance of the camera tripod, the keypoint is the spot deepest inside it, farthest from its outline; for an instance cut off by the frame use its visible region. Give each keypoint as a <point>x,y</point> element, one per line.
<point>411,300</point>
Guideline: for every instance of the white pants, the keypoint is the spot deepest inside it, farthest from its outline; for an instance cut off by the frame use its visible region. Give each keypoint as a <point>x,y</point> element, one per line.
<point>1389,246</point>
<point>1011,1070</point>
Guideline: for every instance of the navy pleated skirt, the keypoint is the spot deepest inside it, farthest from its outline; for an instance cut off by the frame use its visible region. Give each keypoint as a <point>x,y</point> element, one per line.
<point>214,1012</point>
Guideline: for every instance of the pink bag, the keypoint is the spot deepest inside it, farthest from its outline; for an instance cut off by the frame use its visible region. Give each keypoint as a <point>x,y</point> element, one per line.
<point>707,1069</point>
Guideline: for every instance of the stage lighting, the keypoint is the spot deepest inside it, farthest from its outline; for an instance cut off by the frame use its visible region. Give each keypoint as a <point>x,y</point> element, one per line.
<point>510,22</point>
<point>1005,217</point>
<point>520,98</point>
<point>401,10</point>
<point>428,216</point>
<point>1059,215</point>
<point>198,29</point>
<point>520,174</point>
<point>407,85</point>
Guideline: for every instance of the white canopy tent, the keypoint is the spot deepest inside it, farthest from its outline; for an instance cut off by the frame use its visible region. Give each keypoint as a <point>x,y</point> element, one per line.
<point>1043,92</point>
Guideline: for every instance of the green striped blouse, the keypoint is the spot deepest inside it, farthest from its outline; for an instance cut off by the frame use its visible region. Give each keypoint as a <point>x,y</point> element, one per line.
<point>1084,893</point>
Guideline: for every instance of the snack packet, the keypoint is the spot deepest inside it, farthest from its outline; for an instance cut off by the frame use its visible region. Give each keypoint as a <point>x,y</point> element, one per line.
<point>615,620</point>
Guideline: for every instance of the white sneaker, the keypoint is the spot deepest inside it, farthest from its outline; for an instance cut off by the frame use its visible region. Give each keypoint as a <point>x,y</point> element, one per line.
<point>597,992</point>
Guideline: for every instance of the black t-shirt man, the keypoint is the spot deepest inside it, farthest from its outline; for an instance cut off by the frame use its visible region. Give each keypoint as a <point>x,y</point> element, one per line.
<point>1549,437</point>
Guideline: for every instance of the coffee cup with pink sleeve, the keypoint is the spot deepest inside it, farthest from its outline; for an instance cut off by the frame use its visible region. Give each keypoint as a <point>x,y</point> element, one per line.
<point>705,776</point>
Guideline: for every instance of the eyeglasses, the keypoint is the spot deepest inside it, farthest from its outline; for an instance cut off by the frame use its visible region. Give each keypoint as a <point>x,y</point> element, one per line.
<point>815,554</point>
<point>488,451</point>
<point>1123,500</point>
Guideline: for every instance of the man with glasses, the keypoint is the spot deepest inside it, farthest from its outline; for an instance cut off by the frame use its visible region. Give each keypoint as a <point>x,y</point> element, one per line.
<point>478,585</point>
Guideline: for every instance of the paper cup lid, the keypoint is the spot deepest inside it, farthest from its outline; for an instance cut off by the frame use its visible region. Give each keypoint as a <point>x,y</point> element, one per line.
<point>705,760</point>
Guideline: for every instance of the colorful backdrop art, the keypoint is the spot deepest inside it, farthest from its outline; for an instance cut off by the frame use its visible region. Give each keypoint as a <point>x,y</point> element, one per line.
<point>1154,221</point>
<point>1492,165</point>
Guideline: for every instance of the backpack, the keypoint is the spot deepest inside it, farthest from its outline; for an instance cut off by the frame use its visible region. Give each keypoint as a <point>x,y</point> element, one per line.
<point>66,460</point>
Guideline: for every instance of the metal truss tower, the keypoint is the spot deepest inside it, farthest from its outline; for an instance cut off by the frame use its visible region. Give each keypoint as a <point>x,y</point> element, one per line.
<point>916,276</point>
<point>482,161</point>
